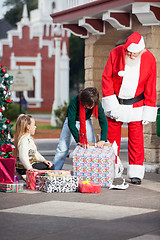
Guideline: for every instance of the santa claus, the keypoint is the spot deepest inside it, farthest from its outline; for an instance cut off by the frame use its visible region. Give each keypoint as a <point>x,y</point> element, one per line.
<point>129,95</point>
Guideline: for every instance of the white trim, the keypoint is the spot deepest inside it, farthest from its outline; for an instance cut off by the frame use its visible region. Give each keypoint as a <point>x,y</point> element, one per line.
<point>149,113</point>
<point>135,171</point>
<point>144,14</point>
<point>116,24</point>
<point>135,48</point>
<point>109,103</point>
<point>130,81</point>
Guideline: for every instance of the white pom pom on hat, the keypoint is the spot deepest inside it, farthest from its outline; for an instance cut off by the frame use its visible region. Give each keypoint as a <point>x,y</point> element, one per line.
<point>133,47</point>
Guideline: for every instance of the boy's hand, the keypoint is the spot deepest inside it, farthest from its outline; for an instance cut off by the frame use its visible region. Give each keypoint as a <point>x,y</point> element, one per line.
<point>84,145</point>
<point>100,144</point>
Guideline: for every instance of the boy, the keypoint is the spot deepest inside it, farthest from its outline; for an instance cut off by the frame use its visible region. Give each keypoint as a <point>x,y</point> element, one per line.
<point>78,124</point>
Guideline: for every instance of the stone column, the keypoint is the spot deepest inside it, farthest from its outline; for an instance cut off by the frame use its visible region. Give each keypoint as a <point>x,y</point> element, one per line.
<point>151,140</point>
<point>97,50</point>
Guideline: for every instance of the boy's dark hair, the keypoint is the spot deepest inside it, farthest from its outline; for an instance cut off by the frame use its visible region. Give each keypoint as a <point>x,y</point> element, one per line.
<point>89,96</point>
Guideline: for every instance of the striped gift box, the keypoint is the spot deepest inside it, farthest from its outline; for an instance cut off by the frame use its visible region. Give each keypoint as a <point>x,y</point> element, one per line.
<point>11,187</point>
<point>31,180</point>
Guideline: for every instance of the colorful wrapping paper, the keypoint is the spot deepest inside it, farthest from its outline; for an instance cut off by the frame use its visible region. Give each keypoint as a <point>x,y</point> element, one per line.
<point>11,187</point>
<point>89,187</point>
<point>31,180</point>
<point>57,184</point>
<point>56,173</point>
<point>31,176</point>
<point>94,164</point>
<point>7,170</point>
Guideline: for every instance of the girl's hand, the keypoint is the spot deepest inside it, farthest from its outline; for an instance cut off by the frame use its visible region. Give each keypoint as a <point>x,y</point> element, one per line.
<point>100,144</point>
<point>33,170</point>
<point>48,163</point>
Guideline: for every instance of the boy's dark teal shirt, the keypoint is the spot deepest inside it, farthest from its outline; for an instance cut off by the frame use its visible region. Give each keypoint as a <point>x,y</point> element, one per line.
<point>73,116</point>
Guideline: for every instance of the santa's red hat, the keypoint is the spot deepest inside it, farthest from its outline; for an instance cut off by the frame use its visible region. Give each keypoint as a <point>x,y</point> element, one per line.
<point>134,43</point>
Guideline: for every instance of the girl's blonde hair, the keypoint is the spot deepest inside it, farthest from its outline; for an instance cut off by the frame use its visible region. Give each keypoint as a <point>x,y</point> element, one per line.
<point>21,128</point>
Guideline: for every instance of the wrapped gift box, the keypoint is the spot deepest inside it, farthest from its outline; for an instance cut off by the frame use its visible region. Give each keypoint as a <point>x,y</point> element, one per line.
<point>7,170</point>
<point>32,177</point>
<point>11,187</point>
<point>89,187</point>
<point>55,173</point>
<point>94,164</point>
<point>57,184</point>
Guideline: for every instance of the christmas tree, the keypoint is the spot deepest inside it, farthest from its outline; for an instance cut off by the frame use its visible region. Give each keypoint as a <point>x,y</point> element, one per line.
<point>5,127</point>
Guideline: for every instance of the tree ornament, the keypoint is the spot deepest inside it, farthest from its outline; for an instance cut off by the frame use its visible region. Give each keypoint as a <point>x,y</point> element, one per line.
<point>6,89</point>
<point>8,121</point>
<point>2,131</point>
<point>4,126</point>
<point>6,75</point>
<point>0,65</point>
<point>3,70</point>
<point>8,100</point>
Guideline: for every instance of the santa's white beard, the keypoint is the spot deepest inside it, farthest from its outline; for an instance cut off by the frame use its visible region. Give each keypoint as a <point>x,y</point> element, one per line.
<point>132,61</point>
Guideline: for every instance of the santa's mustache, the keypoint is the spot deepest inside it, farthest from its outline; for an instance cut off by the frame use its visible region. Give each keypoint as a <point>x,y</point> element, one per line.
<point>131,61</point>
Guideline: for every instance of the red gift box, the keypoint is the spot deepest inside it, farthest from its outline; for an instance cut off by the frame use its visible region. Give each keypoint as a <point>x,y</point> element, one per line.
<point>7,170</point>
<point>89,187</point>
<point>11,187</point>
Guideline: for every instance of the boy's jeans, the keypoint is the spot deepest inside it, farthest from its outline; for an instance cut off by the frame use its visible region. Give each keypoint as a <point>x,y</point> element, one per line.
<point>66,139</point>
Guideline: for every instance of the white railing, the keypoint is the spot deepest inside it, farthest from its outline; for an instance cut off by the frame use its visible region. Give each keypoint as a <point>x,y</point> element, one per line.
<point>74,3</point>
<point>66,4</point>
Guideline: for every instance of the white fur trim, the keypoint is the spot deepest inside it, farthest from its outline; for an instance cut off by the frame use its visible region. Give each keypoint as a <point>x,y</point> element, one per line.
<point>130,81</point>
<point>135,171</point>
<point>121,73</point>
<point>109,103</point>
<point>149,114</point>
<point>133,47</point>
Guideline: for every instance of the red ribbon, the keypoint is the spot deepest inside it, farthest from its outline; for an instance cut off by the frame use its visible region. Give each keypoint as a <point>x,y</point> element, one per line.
<point>7,150</point>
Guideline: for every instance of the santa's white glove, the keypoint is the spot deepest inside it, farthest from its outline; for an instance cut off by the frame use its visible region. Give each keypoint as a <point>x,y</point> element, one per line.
<point>114,113</point>
<point>145,122</point>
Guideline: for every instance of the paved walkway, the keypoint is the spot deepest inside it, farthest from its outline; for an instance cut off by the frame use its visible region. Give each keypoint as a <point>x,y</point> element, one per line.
<point>111,215</point>
<point>132,214</point>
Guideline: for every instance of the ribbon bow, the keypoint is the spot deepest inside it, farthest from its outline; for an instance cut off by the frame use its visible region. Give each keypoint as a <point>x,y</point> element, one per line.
<point>6,151</point>
<point>86,182</point>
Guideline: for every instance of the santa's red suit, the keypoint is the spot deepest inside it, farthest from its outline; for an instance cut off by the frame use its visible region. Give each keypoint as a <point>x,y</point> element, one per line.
<point>129,95</point>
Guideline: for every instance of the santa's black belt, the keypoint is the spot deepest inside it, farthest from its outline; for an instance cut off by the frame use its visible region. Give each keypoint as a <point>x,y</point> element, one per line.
<point>131,101</point>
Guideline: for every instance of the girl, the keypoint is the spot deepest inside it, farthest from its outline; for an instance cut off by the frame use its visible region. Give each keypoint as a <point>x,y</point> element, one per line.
<point>25,146</point>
